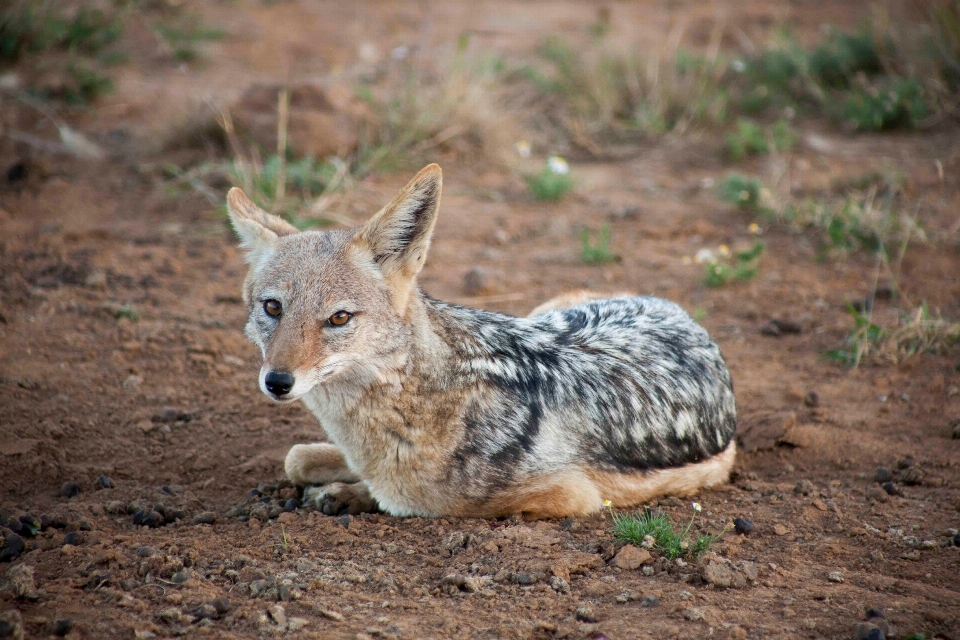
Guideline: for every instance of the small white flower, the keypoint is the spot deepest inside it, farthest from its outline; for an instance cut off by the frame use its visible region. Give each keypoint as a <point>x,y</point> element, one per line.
<point>607,504</point>
<point>523,148</point>
<point>738,65</point>
<point>697,507</point>
<point>705,256</point>
<point>400,53</point>
<point>558,165</point>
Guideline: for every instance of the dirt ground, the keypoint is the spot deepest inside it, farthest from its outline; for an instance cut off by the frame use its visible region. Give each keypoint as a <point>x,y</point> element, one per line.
<point>166,404</point>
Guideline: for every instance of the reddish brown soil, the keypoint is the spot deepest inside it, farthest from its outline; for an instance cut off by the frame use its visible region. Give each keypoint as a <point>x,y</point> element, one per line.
<point>83,393</point>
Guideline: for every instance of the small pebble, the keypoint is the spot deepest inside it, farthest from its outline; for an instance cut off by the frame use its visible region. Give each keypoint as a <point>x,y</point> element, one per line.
<point>207,517</point>
<point>956,540</point>
<point>890,488</point>
<point>875,613</point>
<point>812,399</point>
<point>222,605</point>
<point>253,493</point>
<point>70,489</point>
<point>585,613</point>
<point>291,505</point>
<point>804,487</point>
<point>206,612</point>
<point>742,525</point>
<point>882,475</point>
<point>905,463</point>
<point>344,520</point>
<point>835,576</point>
<point>13,546</point>
<point>74,538</point>
<point>147,518</point>
<point>181,576</point>
<point>16,526</point>
<point>650,601</point>
<point>62,627</point>
<point>85,526</point>
<point>104,482</point>
<point>45,522</point>
<point>145,552</point>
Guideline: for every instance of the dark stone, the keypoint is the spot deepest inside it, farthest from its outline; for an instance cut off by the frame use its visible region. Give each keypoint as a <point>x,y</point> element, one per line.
<point>172,515</point>
<point>45,522</point>
<point>222,605</point>
<point>882,475</point>
<point>344,520</point>
<point>62,627</point>
<point>85,526</point>
<point>568,524</point>
<point>742,525</point>
<point>169,414</point>
<point>787,326</point>
<point>905,463</point>
<point>291,505</point>
<point>17,171</point>
<point>650,601</point>
<point>145,552</point>
<point>148,518</point>
<point>891,488</point>
<point>524,578</point>
<point>59,521</point>
<point>31,524</point>
<point>812,399</point>
<point>104,482</point>
<point>70,489</point>
<point>16,526</point>
<point>181,576</point>
<point>956,540</point>
<point>13,546</point>
<point>875,613</point>
<point>253,493</point>
<point>74,538</point>
<point>207,517</point>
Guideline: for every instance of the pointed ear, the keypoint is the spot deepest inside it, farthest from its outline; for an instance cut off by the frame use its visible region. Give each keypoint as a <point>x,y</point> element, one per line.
<point>399,235</point>
<point>258,230</point>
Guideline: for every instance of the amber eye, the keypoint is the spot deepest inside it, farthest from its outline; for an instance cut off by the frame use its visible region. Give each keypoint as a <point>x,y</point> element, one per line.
<point>340,318</point>
<point>273,308</point>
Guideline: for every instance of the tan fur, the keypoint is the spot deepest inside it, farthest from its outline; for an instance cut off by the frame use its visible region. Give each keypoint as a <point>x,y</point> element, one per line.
<point>319,463</point>
<point>573,298</point>
<point>629,490</point>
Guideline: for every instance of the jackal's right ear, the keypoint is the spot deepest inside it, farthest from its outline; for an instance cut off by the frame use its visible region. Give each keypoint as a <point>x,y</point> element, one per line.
<point>258,230</point>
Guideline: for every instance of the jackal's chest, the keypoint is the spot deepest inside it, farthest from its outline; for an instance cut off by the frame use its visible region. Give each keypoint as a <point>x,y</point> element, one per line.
<point>403,467</point>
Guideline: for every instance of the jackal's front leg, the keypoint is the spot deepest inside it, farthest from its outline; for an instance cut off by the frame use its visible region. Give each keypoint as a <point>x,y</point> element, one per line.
<point>320,463</point>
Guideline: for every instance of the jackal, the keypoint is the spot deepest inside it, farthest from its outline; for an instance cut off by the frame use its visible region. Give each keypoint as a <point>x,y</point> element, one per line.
<point>433,409</point>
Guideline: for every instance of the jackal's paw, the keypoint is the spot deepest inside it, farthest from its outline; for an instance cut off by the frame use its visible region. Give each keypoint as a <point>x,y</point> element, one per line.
<point>320,463</point>
<point>338,498</point>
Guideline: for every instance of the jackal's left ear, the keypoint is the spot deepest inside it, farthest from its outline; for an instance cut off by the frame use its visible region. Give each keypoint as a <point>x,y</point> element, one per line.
<point>258,230</point>
<point>399,235</point>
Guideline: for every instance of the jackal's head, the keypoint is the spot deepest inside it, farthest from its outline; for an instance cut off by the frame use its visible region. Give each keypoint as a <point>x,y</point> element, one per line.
<point>327,305</point>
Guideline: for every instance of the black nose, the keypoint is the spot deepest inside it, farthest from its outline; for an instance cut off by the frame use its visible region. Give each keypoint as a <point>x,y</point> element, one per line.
<point>279,383</point>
